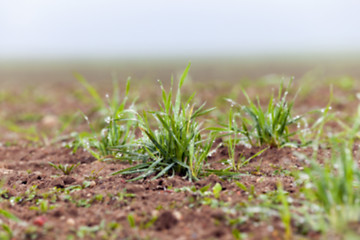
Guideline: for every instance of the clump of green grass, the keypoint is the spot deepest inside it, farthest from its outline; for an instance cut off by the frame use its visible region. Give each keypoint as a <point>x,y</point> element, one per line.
<point>176,144</point>
<point>231,135</point>
<point>119,121</point>
<point>334,185</point>
<point>269,126</point>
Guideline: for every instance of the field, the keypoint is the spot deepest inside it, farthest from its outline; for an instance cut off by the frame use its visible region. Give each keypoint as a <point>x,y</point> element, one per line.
<point>220,152</point>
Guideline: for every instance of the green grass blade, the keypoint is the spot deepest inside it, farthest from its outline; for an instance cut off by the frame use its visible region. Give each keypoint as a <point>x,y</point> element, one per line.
<point>162,172</point>
<point>92,91</point>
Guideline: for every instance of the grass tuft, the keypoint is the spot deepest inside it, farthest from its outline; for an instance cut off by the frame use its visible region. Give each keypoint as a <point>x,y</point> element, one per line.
<point>271,126</point>
<point>176,144</point>
<point>119,121</point>
<point>262,127</point>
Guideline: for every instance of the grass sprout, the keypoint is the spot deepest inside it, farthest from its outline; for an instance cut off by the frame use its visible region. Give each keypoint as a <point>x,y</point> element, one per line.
<point>65,169</point>
<point>335,184</point>
<point>284,211</point>
<point>176,145</point>
<point>269,126</point>
<point>119,123</point>
<point>5,230</point>
<point>230,131</point>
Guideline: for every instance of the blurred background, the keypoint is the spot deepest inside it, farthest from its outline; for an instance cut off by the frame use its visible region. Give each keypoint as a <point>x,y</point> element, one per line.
<point>225,40</point>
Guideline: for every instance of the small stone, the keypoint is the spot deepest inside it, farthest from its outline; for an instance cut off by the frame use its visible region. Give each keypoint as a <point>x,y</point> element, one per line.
<point>92,184</point>
<point>177,215</point>
<point>155,213</point>
<point>70,221</point>
<point>50,121</point>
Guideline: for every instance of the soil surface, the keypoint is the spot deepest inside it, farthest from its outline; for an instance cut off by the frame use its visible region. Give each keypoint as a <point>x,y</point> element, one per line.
<point>178,214</point>
<point>91,203</point>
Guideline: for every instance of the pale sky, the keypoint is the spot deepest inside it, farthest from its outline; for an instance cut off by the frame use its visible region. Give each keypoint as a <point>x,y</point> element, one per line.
<point>115,28</point>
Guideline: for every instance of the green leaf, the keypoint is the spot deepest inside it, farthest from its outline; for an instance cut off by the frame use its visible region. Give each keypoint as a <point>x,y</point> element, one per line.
<point>216,190</point>
<point>9,215</point>
<point>178,95</point>
<point>90,89</point>
<point>240,185</point>
<point>131,221</point>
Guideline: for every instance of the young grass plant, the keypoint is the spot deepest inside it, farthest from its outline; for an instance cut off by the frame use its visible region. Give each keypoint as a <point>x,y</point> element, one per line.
<point>5,230</point>
<point>335,184</point>
<point>270,126</point>
<point>65,169</point>
<point>231,132</point>
<point>176,146</point>
<point>120,123</point>
<point>284,211</point>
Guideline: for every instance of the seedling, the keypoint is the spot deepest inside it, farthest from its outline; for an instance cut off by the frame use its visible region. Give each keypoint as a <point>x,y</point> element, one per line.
<point>94,174</point>
<point>65,169</point>
<point>270,126</point>
<point>285,213</point>
<point>101,231</point>
<point>42,206</point>
<point>131,221</point>
<point>123,195</point>
<point>6,232</point>
<point>217,190</point>
<point>230,131</point>
<point>119,123</point>
<point>176,146</point>
<point>335,184</point>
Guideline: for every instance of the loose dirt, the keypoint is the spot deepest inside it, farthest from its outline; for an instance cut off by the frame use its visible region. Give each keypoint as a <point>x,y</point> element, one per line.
<point>90,203</point>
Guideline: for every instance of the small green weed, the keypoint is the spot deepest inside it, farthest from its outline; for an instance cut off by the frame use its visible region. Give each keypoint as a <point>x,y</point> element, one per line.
<point>131,220</point>
<point>284,212</point>
<point>176,146</point>
<point>124,195</point>
<point>217,190</point>
<point>5,230</point>
<point>43,206</point>
<point>270,127</point>
<point>65,169</point>
<point>101,231</point>
<point>119,123</point>
<point>334,185</point>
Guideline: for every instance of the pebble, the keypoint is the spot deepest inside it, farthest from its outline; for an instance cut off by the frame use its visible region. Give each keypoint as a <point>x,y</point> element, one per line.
<point>70,221</point>
<point>155,213</point>
<point>177,215</point>
<point>92,184</point>
<point>50,121</point>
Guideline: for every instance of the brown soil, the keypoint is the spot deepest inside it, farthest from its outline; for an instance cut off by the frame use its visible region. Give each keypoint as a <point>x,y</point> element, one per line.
<point>90,203</point>
<point>22,168</point>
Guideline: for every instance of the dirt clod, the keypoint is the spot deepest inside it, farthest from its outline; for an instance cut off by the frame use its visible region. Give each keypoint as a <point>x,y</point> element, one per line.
<point>166,220</point>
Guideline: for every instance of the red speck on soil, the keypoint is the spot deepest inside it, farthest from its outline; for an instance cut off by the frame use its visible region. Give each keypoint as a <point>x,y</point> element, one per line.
<point>40,221</point>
